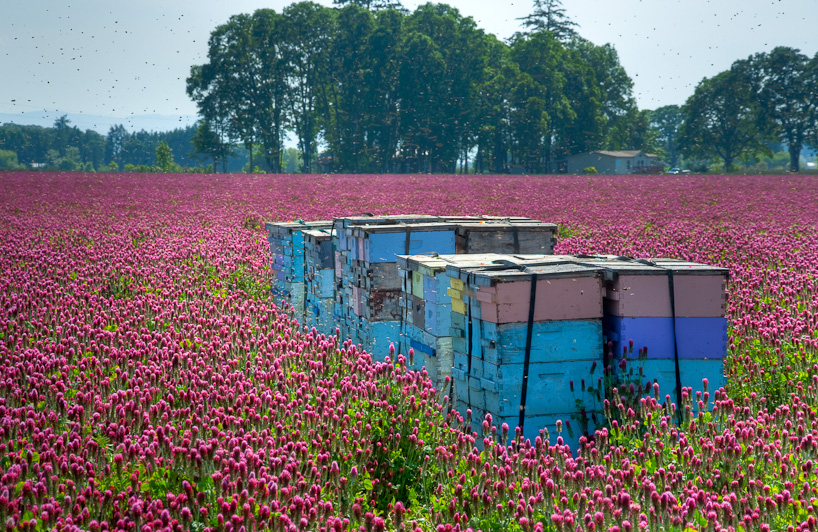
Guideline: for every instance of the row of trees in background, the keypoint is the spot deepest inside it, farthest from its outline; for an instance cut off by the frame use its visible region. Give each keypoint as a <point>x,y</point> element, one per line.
<point>384,90</point>
<point>765,100</point>
<point>66,147</point>
<point>370,87</point>
<point>762,103</point>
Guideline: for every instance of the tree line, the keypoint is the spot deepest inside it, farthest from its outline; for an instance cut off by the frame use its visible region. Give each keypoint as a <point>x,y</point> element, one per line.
<point>367,86</point>
<point>375,88</point>
<point>66,147</point>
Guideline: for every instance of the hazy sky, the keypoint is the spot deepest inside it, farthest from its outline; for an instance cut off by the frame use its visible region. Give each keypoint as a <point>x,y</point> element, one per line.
<point>122,58</point>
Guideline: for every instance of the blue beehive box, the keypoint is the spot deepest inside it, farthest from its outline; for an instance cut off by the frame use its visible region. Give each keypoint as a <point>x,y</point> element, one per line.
<point>289,267</point>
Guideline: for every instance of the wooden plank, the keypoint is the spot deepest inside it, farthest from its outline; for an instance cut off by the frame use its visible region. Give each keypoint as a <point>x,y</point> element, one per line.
<point>549,389</point>
<point>557,299</point>
<point>552,341</point>
<point>435,354</point>
<point>418,312</point>
<point>381,305</point>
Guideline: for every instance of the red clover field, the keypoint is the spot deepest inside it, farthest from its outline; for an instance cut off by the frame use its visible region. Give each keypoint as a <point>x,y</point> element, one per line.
<point>150,382</point>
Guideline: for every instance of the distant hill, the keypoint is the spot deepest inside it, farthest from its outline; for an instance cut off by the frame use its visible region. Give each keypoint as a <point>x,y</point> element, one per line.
<point>100,124</point>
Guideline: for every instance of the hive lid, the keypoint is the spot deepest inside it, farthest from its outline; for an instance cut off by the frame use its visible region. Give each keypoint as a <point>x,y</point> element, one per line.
<point>350,221</point>
<point>557,270</point>
<point>683,267</point>
<point>365,230</point>
<point>616,265</point>
<point>488,219</point>
<point>528,226</point>
<point>507,268</point>
<point>284,227</point>
<point>319,234</point>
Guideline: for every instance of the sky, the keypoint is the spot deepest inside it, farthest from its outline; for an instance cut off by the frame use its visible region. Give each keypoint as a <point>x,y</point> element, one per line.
<point>120,59</point>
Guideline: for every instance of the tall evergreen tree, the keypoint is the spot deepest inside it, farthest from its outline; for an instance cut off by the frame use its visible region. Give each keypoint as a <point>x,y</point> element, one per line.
<point>542,109</point>
<point>372,5</point>
<point>549,15</point>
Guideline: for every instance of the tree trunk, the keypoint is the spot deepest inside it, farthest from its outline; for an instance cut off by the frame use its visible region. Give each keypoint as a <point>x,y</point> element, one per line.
<point>795,155</point>
<point>728,163</point>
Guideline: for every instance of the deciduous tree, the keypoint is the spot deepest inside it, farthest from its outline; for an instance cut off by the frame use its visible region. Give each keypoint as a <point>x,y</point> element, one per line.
<point>722,117</point>
<point>789,97</point>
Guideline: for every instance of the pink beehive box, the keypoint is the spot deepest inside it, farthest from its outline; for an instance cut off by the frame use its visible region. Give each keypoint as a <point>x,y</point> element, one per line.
<point>636,288</point>
<point>565,290</point>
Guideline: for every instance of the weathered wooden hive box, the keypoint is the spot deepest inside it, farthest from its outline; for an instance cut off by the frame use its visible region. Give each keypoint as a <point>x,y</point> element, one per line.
<point>512,236</point>
<point>427,308</point>
<point>675,309</point>
<point>527,341</point>
<point>426,305</point>
<point>369,276</point>
<point>287,247</point>
<point>320,279</point>
<point>369,289</point>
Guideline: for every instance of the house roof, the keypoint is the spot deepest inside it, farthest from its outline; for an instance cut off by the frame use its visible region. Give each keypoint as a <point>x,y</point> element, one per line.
<point>623,153</point>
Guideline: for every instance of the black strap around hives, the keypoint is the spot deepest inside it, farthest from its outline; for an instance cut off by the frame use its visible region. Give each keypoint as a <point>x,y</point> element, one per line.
<point>527,360</point>
<point>469,329</point>
<point>675,345</point>
<point>406,244</point>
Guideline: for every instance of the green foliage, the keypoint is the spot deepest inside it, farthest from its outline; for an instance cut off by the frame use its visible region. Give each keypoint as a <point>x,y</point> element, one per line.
<point>591,170</point>
<point>291,161</point>
<point>209,143</point>
<point>164,157</point>
<point>379,89</point>
<point>787,81</point>
<point>722,117</point>
<point>665,123</point>
<point>8,160</point>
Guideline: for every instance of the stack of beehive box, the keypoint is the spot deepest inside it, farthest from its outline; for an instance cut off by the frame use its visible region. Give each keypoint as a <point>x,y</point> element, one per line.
<point>427,308</point>
<point>287,246</point>
<point>674,308</point>
<point>527,343</point>
<point>521,331</point>
<point>370,287</point>
<point>426,304</point>
<point>320,280</point>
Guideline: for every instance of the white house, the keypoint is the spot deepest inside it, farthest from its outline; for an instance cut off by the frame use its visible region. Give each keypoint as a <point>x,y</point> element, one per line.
<point>614,162</point>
